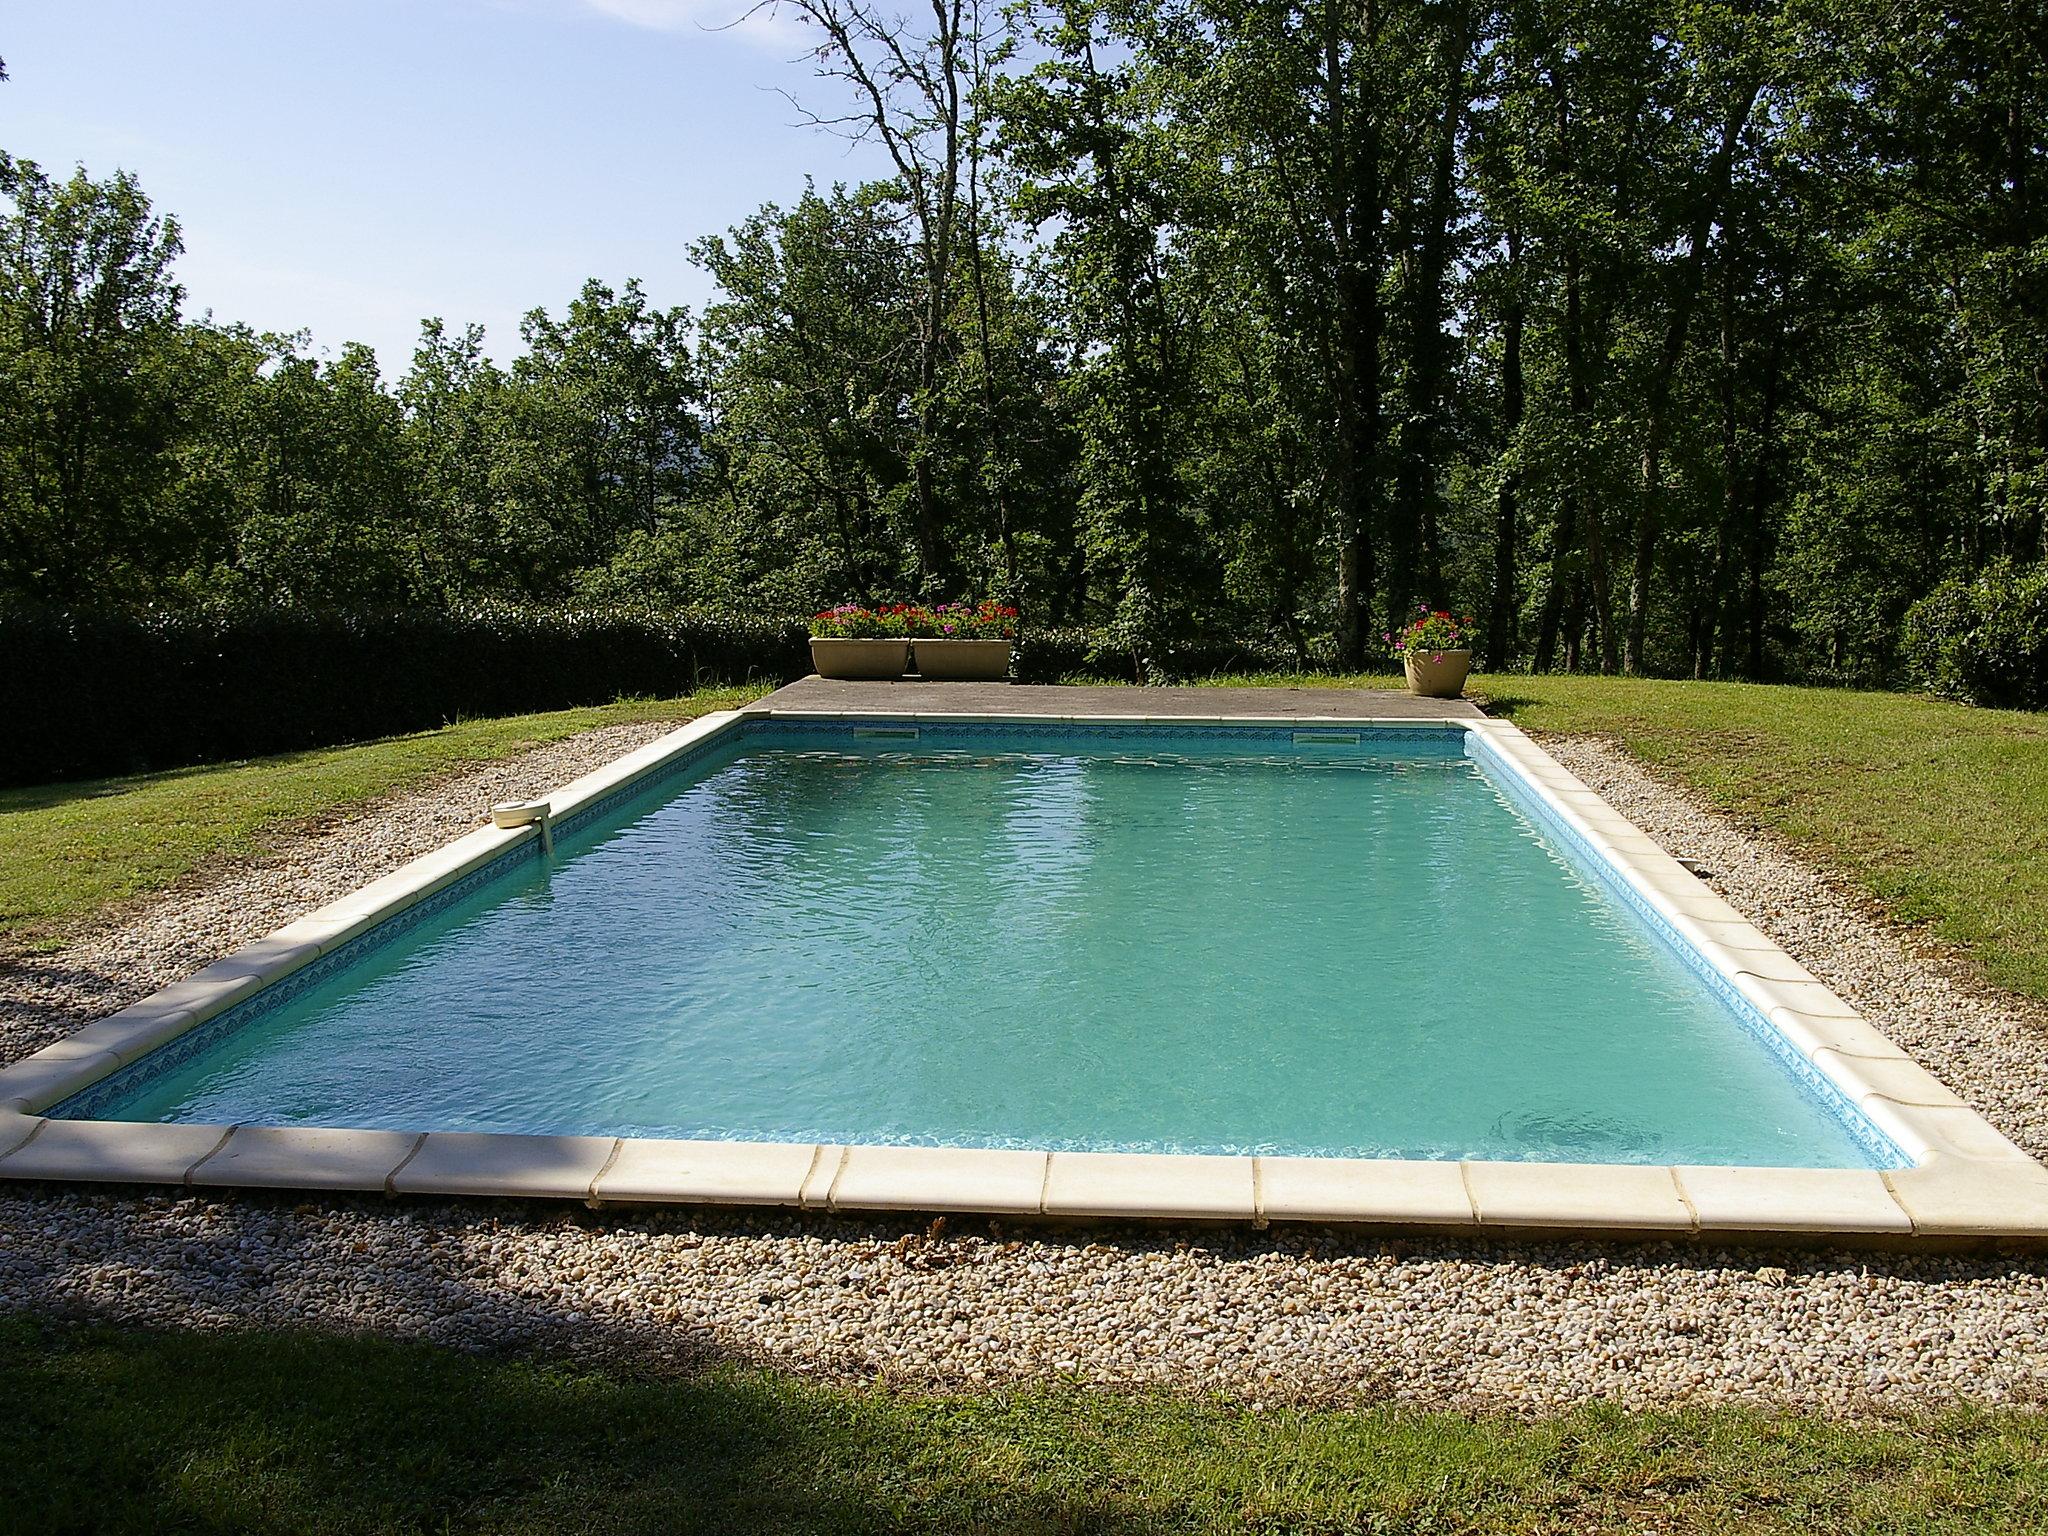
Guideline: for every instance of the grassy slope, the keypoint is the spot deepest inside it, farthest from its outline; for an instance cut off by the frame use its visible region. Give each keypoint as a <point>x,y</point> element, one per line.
<point>1939,811</point>
<point>69,850</point>
<point>122,1430</point>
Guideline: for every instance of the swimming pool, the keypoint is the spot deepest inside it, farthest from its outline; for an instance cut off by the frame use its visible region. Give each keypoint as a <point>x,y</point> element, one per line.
<point>1222,940</point>
<point>843,960</point>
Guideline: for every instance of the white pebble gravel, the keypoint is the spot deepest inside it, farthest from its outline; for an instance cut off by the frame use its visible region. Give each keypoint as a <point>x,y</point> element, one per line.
<point>1299,1315</point>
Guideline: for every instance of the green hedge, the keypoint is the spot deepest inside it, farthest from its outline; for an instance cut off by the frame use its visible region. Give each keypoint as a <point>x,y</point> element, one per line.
<point>1983,641</point>
<point>90,694</point>
<point>1049,655</point>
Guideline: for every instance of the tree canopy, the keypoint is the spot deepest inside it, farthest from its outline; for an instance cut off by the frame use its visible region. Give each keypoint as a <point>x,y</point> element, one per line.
<point>1697,338</point>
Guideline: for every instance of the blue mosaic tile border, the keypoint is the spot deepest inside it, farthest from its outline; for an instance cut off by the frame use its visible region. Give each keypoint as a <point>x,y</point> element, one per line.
<point>665,772</point>
<point>1508,779</point>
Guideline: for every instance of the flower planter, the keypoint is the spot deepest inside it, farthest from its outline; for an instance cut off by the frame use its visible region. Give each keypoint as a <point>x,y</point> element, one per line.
<point>860,658</point>
<point>1437,674</point>
<point>963,661</point>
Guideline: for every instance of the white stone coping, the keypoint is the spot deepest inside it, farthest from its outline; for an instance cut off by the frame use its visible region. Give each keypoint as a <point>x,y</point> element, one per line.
<point>1967,1181</point>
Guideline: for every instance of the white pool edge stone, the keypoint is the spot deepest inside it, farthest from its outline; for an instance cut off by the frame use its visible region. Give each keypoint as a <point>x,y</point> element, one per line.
<point>1967,1182</point>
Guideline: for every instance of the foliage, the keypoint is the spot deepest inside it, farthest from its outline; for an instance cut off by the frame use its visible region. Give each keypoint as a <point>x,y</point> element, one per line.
<point>1700,340</point>
<point>90,408</point>
<point>1984,641</point>
<point>1063,653</point>
<point>1431,632</point>
<point>120,693</point>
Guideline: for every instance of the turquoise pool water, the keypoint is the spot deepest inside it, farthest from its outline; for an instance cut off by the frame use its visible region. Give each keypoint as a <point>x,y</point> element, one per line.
<point>1220,942</point>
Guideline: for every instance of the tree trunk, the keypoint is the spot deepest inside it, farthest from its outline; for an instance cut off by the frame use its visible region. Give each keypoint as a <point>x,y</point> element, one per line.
<point>1707,607</point>
<point>1578,514</point>
<point>1356,207</point>
<point>1415,493</point>
<point>1708,207</point>
<point>1758,497</point>
<point>1599,574</point>
<point>1501,639</point>
<point>910,85</point>
<point>994,447</point>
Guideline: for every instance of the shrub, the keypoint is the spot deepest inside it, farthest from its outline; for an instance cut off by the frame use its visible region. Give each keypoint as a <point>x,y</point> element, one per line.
<point>1983,641</point>
<point>92,693</point>
<point>1049,655</point>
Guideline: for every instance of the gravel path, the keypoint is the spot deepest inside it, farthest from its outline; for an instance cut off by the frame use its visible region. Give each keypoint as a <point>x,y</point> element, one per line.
<point>1287,1315</point>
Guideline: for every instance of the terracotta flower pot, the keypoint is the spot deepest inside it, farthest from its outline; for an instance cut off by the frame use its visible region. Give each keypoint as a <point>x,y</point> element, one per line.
<point>860,658</point>
<point>1437,674</point>
<point>960,661</point>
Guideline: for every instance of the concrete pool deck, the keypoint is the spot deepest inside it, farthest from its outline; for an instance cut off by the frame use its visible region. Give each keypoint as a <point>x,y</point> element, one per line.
<point>1968,1183</point>
<point>831,696</point>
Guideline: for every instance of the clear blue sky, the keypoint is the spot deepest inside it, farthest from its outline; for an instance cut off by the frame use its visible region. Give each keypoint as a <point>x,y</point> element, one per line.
<point>349,166</point>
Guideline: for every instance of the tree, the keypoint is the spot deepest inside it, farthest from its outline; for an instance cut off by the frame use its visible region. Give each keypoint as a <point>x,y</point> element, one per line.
<point>458,423</point>
<point>1430,217</point>
<point>89,400</point>
<point>1704,339</point>
<point>811,360</point>
<point>1727,75</point>
<point>1093,170</point>
<point>600,433</point>
<point>910,92</point>
<point>328,519</point>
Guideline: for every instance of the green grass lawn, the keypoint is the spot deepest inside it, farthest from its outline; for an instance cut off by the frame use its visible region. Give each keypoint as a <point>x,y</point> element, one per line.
<point>1937,810</point>
<point>122,1430</point>
<point>69,851</point>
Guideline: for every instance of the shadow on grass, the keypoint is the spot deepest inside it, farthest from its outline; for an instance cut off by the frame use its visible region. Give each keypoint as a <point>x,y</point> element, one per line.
<point>126,1430</point>
<point>43,797</point>
<point>118,1431</point>
<point>1505,705</point>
